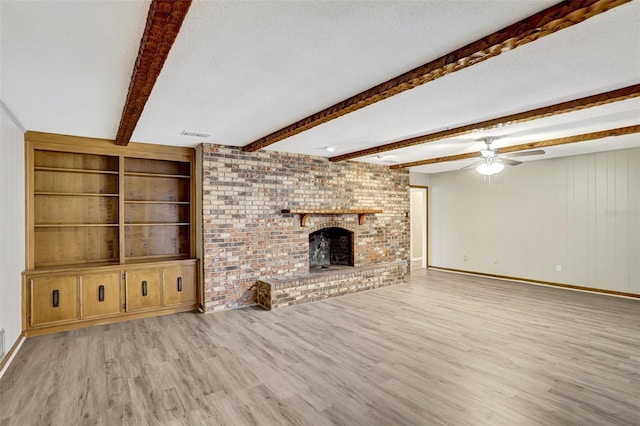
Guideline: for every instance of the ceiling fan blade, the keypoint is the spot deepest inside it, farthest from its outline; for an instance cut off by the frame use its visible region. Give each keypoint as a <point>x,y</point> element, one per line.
<point>509,162</point>
<point>473,165</point>
<point>525,153</point>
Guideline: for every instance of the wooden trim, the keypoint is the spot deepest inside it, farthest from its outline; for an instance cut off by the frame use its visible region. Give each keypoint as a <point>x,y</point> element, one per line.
<point>156,202</point>
<point>532,281</point>
<point>121,208</point>
<point>85,145</point>
<point>428,231</point>
<point>114,267</point>
<point>193,207</point>
<point>30,221</point>
<point>25,306</point>
<point>159,224</point>
<point>548,21</point>
<point>76,194</point>
<point>305,212</point>
<point>135,260</point>
<point>163,25</point>
<point>82,171</point>
<point>530,145</point>
<point>331,211</point>
<point>599,99</point>
<point>29,305</point>
<point>162,300</point>
<point>426,218</point>
<point>75,225</point>
<point>38,331</point>
<point>196,215</point>
<point>9,354</point>
<point>79,306</point>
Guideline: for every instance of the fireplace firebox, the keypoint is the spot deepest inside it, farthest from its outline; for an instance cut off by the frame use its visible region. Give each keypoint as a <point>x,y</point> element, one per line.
<point>330,246</point>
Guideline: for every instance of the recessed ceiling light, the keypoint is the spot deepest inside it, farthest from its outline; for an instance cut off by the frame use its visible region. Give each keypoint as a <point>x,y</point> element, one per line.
<point>196,134</point>
<point>331,148</point>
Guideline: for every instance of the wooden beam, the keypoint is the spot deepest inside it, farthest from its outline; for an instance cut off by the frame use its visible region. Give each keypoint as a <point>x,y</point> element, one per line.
<point>163,25</point>
<point>548,21</point>
<point>525,146</point>
<point>534,114</point>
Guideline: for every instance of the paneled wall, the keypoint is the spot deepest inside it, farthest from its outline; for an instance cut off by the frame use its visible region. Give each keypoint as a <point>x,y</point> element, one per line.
<point>12,228</point>
<point>247,238</point>
<point>572,220</point>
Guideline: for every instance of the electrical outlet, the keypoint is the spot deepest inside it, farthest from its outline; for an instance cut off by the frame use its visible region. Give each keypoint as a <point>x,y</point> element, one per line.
<point>495,260</point>
<point>558,268</point>
<point>464,257</point>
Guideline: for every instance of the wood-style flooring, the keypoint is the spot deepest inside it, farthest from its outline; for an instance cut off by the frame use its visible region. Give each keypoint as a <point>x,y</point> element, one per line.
<point>440,349</point>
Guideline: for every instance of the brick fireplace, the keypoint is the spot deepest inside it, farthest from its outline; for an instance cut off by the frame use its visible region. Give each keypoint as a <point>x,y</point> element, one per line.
<point>247,239</point>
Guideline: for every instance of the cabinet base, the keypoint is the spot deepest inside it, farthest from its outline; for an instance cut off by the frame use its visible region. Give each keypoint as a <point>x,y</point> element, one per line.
<point>55,328</point>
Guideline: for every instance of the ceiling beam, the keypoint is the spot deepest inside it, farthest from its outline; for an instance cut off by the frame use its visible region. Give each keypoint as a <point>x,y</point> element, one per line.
<point>534,114</point>
<point>548,21</point>
<point>525,146</point>
<point>163,25</point>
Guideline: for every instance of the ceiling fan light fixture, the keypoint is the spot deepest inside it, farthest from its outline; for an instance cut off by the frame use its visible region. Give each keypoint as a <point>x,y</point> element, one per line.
<point>489,168</point>
<point>384,156</point>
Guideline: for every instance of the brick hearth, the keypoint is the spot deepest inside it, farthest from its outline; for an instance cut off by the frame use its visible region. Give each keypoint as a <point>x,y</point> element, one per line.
<point>274,293</point>
<point>246,238</point>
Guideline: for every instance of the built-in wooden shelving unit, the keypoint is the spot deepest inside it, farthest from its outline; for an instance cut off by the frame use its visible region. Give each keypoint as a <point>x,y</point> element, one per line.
<point>305,212</point>
<point>107,223</point>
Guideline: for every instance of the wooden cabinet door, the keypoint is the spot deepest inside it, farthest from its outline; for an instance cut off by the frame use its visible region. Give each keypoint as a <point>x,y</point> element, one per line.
<point>179,285</point>
<point>54,299</point>
<point>100,294</point>
<point>143,289</point>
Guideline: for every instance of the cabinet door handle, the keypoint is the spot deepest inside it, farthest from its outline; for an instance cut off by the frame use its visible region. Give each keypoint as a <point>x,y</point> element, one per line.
<point>179,283</point>
<point>101,293</point>
<point>144,288</point>
<point>56,298</point>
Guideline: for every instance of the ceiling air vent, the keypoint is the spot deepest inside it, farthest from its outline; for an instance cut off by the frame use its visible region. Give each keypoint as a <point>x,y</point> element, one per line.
<point>196,134</point>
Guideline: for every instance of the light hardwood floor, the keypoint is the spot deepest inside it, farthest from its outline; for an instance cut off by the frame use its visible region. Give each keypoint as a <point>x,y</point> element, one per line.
<point>441,349</point>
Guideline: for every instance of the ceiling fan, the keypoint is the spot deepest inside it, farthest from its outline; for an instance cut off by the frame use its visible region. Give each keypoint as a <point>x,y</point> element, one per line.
<point>492,163</point>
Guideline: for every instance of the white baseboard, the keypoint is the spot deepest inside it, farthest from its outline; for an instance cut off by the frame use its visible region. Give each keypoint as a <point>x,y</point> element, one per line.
<point>11,354</point>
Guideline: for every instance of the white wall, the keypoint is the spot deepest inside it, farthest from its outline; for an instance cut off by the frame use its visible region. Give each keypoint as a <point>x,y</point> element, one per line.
<point>12,229</point>
<point>579,212</point>
<point>418,179</point>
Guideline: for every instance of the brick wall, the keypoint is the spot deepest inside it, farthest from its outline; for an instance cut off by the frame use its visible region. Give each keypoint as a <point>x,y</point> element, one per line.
<point>246,238</point>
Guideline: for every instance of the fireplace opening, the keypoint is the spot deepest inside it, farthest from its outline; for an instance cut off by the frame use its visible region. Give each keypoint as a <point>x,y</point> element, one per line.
<point>329,247</point>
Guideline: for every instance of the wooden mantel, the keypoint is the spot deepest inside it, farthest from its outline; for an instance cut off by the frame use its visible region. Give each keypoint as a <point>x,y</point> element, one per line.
<point>304,212</point>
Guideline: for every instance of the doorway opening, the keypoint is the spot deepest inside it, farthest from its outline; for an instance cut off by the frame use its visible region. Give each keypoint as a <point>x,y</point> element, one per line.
<point>419,226</point>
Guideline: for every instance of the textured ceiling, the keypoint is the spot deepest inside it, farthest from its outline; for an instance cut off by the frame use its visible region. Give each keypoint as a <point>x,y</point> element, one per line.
<point>66,66</point>
<point>241,70</point>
